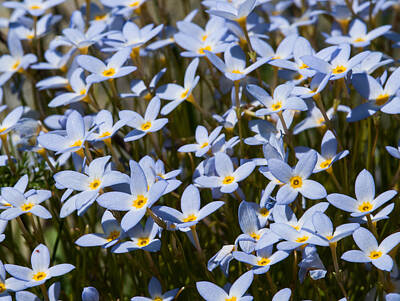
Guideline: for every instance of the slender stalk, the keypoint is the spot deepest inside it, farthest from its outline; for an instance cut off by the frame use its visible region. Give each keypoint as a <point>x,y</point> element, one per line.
<point>44,292</point>
<point>271,283</point>
<point>371,226</point>
<point>288,136</point>
<point>337,270</point>
<point>7,151</point>
<point>87,14</point>
<point>197,242</point>
<point>239,117</point>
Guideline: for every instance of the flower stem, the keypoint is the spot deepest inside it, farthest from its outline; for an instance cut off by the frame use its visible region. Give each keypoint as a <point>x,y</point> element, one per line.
<point>7,151</point>
<point>44,292</point>
<point>239,117</point>
<point>337,271</point>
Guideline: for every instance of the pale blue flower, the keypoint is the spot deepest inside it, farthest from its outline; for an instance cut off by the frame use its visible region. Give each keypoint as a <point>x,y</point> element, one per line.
<point>34,7</point>
<point>90,293</point>
<point>8,285</point>
<point>204,141</point>
<point>371,251</point>
<point>282,295</point>
<point>155,292</point>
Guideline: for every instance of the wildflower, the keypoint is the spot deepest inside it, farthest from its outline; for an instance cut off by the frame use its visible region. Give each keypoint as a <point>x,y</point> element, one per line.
<point>211,292</point>
<point>328,154</point>
<point>190,205</point>
<point>293,238</point>
<point>228,178</point>
<point>234,11</point>
<point>340,64</point>
<point>53,292</point>
<point>234,67</point>
<point>366,202</point>
<point>280,101</point>
<point>318,83</point>
<point>282,52</point>
<point>55,61</point>
<point>90,293</point>
<point>358,36</point>
<point>106,128</point>
<point>222,258</point>
<point>155,292</point>
<point>10,121</point>
<point>40,271</point>
<point>296,180</point>
<point>143,126</point>
<point>263,259</point>
<point>323,227</point>
<point>101,72</point>
<point>263,129</point>
<point>3,225</point>
<point>178,94</point>
<point>395,152</point>
<point>8,285</point>
<point>96,177</point>
<point>24,29</point>
<point>282,295</point>
<point>112,233</point>
<point>371,251</point>
<point>371,62</point>
<point>137,201</point>
<point>141,238</point>
<point>21,204</point>
<point>79,87</point>
<point>311,263</point>
<point>139,88</point>
<point>204,141</point>
<point>34,7</point>
<point>378,98</point>
<point>16,61</point>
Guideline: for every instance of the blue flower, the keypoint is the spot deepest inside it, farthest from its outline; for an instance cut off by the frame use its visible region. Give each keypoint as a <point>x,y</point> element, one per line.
<point>204,141</point>
<point>282,295</point>
<point>211,292</point>
<point>40,271</point>
<point>366,202</point>
<point>137,200</point>
<point>155,292</point>
<point>222,259</point>
<point>371,251</point>
<point>146,125</point>
<point>34,7</point>
<point>8,285</point>
<point>296,180</point>
<point>90,293</point>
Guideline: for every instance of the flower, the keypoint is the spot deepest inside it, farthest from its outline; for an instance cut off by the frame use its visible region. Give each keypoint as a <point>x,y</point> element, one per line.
<point>234,67</point>
<point>90,293</point>
<point>40,271</point>
<point>101,72</point>
<point>282,295</point>
<point>237,11</point>
<point>190,205</point>
<point>296,180</point>
<point>279,102</point>
<point>8,285</point>
<point>34,7</point>
<point>143,126</point>
<point>141,238</point>
<point>112,233</point>
<point>263,259</point>
<point>227,179</point>
<point>395,152</point>
<point>366,202</point>
<point>222,258</point>
<point>371,251</point>
<point>211,292</point>
<point>178,94</point>
<point>204,141</point>
<point>21,204</point>
<point>155,292</point>
<point>137,200</point>
<point>10,121</point>
<point>106,128</point>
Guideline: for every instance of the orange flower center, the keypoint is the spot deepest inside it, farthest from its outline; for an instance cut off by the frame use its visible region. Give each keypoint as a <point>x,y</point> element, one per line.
<point>296,182</point>
<point>39,276</point>
<point>140,201</point>
<point>109,72</point>
<point>228,180</point>
<point>365,207</point>
<point>263,261</point>
<point>190,218</point>
<point>382,99</point>
<point>339,69</point>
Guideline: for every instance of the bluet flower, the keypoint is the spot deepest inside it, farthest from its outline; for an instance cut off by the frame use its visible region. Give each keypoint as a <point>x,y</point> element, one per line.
<point>204,141</point>
<point>155,292</point>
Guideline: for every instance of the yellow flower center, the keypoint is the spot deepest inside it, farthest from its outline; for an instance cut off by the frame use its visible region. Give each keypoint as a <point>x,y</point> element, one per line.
<point>326,163</point>
<point>76,143</point>
<point>16,65</point>
<point>95,184</point>
<point>339,69</point>
<point>255,236</point>
<point>185,93</point>
<point>27,206</point>
<point>228,180</point>
<point>143,241</point>
<point>296,182</point>
<point>365,207</point>
<point>277,57</point>
<point>30,36</point>
<point>276,106</point>
<point>134,4</point>
<point>2,129</point>
<point>204,37</point>
<point>298,76</point>
<point>231,299</point>
<point>2,287</point>
<point>109,72</point>
<point>39,276</point>
<point>329,237</point>
<point>264,261</point>
<point>302,239</point>
<point>157,299</point>
<point>146,126</point>
<point>140,201</point>
<point>105,134</point>
<point>100,17</point>
<point>82,92</point>
<point>264,212</point>
<point>236,71</point>
<point>382,99</point>
<point>113,235</point>
<point>321,120</point>
<point>359,40</point>
<point>303,66</point>
<point>190,218</point>
<point>35,6</point>
<point>201,50</point>
<point>205,144</point>
<point>375,254</point>
<point>296,227</point>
